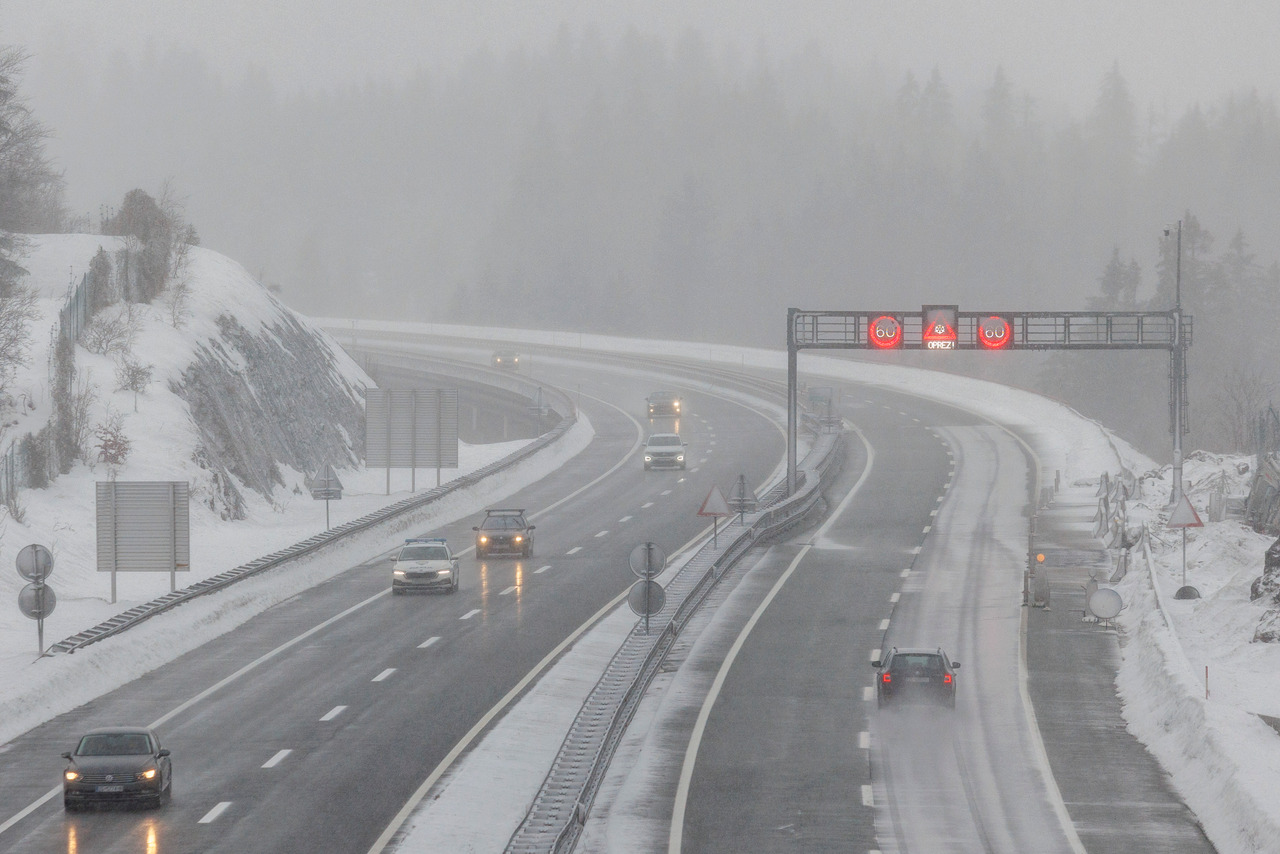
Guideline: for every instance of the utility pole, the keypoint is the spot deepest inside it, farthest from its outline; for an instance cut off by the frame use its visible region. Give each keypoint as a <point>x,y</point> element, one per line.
<point>1178,372</point>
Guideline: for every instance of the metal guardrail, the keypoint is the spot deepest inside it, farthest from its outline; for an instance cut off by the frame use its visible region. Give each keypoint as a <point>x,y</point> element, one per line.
<point>560,809</point>
<point>554,398</point>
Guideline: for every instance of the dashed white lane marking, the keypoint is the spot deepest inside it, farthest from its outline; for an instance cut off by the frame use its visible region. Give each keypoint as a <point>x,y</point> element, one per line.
<point>212,815</point>
<point>428,642</point>
<point>646,505</point>
<point>602,534</point>
<point>916,550</point>
<point>866,796</point>
<point>884,625</point>
<point>933,513</point>
<point>333,713</point>
<point>470,614</point>
<point>692,470</point>
<point>928,528</point>
<point>895,597</point>
<point>712,442</point>
<point>624,519</point>
<point>905,572</point>
<point>864,740</point>
<point>277,759</point>
<point>384,674</point>
<point>868,693</point>
<point>940,499</point>
<point>710,451</point>
<point>541,569</point>
<point>574,550</point>
<point>875,655</point>
<point>510,589</point>
<point>666,492</point>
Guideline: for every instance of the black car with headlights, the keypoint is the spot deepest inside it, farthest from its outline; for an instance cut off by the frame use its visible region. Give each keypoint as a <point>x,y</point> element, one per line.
<point>115,765</point>
<point>505,532</point>
<point>916,675</point>
<point>662,403</point>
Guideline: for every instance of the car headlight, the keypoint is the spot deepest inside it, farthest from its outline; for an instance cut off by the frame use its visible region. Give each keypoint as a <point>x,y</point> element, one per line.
<point>648,459</point>
<point>483,539</point>
<point>677,406</point>
<point>71,776</point>
<point>149,774</point>
<point>398,573</point>
<point>680,458</point>
<point>519,539</point>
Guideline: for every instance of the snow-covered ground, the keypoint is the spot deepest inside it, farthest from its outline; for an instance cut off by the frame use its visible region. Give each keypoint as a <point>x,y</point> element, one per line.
<point>61,516</point>
<point>1221,757</point>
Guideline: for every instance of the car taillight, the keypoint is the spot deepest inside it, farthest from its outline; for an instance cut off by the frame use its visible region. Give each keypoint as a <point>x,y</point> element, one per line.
<point>886,677</point>
<point>946,677</point>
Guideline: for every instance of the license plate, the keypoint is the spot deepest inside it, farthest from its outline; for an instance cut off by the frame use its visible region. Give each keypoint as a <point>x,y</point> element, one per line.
<point>109,789</point>
<point>919,679</point>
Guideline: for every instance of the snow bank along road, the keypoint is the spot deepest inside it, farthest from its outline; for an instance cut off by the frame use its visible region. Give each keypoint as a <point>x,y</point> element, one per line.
<point>355,695</point>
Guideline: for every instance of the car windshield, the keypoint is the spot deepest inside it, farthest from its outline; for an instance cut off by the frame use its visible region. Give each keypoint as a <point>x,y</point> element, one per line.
<point>663,396</point>
<point>923,665</point>
<point>503,523</point>
<point>114,744</point>
<point>664,440</point>
<point>435,552</point>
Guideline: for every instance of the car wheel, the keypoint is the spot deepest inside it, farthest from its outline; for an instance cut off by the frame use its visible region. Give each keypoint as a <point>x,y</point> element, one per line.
<point>457,582</point>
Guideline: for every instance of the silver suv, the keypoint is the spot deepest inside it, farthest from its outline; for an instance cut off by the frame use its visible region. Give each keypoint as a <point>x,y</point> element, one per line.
<point>664,450</point>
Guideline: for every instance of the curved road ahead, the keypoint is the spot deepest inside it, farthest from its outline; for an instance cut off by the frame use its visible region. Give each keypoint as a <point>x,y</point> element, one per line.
<point>306,729</point>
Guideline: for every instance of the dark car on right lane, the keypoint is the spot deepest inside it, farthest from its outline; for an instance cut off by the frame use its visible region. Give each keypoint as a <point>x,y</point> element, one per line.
<point>919,675</point>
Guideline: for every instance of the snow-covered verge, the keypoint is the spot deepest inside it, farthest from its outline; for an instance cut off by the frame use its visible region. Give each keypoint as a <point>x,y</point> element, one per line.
<point>1192,680</point>
<point>1223,759</point>
<point>164,436</point>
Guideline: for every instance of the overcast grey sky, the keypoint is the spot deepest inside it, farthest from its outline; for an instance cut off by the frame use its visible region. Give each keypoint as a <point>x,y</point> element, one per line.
<point>1172,52</point>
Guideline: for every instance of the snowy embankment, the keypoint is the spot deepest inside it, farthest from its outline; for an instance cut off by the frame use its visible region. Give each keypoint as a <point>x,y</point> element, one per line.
<point>60,516</point>
<point>1222,758</point>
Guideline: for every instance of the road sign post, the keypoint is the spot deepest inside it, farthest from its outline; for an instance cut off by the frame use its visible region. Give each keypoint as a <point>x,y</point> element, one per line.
<point>715,506</point>
<point>1184,516</point>
<point>326,486</point>
<point>36,600</point>
<point>647,560</point>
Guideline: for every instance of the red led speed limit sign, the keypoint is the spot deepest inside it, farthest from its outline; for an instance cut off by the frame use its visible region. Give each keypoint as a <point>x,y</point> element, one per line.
<point>885,332</point>
<point>994,333</point>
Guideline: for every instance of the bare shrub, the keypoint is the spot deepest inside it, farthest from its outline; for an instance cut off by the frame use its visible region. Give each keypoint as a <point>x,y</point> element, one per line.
<point>133,376</point>
<point>111,332</point>
<point>113,445</point>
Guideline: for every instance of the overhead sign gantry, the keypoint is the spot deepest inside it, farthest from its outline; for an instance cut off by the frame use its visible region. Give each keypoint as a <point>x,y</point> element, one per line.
<point>945,327</point>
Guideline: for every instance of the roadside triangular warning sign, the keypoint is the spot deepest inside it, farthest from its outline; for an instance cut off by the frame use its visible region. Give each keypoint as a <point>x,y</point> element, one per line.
<point>715,505</point>
<point>1184,515</point>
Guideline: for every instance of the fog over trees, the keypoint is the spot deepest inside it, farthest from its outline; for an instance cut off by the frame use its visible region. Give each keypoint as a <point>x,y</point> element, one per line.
<point>651,187</point>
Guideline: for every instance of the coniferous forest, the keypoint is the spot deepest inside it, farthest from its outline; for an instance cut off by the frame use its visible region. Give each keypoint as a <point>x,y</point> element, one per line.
<point>662,189</point>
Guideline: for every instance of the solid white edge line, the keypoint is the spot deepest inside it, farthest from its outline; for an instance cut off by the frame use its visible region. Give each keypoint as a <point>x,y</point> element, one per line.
<point>1037,743</point>
<point>405,811</point>
<point>421,792</point>
<point>676,836</point>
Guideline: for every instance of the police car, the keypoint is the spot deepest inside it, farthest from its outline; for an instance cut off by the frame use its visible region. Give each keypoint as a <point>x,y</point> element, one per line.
<point>424,564</point>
